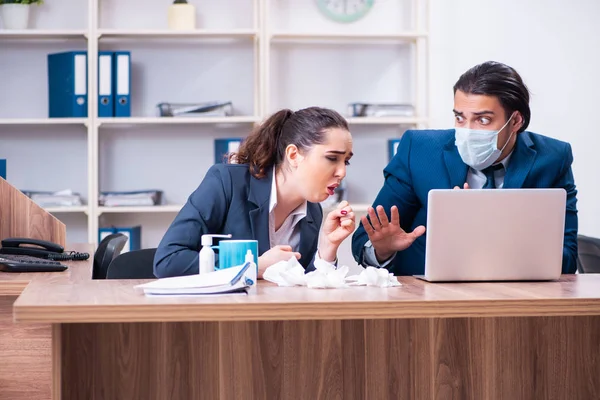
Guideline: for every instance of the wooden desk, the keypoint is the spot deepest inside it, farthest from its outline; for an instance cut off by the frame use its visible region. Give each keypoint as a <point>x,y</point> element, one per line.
<point>26,350</point>
<point>419,341</point>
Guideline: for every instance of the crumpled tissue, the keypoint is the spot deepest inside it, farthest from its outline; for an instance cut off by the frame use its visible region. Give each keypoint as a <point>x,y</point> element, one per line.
<point>371,276</point>
<point>326,276</point>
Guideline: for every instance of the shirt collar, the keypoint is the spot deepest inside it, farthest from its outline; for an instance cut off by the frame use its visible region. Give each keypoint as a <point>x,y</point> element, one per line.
<point>506,159</point>
<point>300,211</point>
<point>273,198</point>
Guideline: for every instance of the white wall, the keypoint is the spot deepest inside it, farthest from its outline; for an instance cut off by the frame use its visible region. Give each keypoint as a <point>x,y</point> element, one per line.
<point>555,46</point>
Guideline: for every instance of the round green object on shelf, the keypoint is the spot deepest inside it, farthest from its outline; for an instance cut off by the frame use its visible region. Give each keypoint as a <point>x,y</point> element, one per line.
<point>345,10</point>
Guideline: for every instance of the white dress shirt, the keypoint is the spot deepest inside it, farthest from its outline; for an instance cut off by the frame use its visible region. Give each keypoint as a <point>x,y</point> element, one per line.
<point>476,179</point>
<point>289,232</point>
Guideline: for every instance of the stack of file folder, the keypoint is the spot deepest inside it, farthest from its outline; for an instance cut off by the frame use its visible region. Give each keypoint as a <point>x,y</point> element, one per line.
<point>132,199</point>
<point>380,110</point>
<point>68,84</point>
<point>224,281</point>
<point>63,198</point>
<point>208,109</point>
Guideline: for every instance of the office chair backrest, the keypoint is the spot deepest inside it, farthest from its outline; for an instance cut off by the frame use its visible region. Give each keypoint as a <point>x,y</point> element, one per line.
<point>138,264</point>
<point>109,248</point>
<point>588,254</point>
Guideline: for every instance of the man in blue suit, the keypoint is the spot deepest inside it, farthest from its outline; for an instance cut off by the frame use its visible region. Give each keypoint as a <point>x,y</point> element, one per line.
<point>489,148</point>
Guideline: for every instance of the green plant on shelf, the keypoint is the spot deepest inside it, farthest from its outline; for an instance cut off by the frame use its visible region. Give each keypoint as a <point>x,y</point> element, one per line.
<point>38,2</point>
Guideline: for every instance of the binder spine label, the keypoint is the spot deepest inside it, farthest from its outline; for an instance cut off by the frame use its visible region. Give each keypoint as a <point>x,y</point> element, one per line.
<point>105,70</point>
<point>80,75</point>
<point>123,75</point>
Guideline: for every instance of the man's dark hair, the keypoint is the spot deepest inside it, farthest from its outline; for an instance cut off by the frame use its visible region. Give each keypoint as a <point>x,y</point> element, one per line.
<point>496,79</point>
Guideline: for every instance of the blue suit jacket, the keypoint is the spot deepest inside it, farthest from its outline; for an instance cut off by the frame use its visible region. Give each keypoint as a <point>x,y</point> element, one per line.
<point>229,200</point>
<point>429,159</point>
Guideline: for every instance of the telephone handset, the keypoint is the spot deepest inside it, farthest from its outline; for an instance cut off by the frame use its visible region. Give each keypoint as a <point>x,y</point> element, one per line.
<point>40,249</point>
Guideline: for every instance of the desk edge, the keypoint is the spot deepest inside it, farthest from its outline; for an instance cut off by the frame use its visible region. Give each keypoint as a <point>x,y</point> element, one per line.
<point>303,311</point>
<point>13,287</point>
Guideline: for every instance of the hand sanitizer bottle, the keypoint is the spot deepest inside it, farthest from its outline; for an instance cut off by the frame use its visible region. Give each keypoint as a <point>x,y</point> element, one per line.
<point>207,255</point>
<point>252,273</point>
<point>253,270</point>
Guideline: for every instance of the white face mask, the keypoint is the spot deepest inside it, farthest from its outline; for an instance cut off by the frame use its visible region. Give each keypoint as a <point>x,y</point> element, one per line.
<point>478,148</point>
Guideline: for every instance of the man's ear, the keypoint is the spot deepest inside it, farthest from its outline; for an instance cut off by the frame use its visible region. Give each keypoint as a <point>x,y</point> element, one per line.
<point>518,121</point>
<point>293,156</point>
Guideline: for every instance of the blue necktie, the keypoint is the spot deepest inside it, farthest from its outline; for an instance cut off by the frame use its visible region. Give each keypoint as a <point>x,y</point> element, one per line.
<point>490,182</point>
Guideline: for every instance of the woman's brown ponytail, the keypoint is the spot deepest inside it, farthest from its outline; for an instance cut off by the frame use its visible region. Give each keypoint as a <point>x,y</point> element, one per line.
<point>258,150</point>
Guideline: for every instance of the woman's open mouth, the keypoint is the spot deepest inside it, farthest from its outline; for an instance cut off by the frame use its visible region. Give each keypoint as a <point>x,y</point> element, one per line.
<point>331,189</point>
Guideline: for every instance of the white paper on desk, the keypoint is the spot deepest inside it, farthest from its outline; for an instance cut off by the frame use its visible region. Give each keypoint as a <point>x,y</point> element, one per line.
<point>221,281</point>
<point>242,293</point>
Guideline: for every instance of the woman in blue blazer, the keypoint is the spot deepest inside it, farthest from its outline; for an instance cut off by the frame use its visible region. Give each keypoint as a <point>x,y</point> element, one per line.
<point>271,193</point>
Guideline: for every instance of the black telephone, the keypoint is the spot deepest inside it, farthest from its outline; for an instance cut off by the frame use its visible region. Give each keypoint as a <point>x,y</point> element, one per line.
<point>40,249</point>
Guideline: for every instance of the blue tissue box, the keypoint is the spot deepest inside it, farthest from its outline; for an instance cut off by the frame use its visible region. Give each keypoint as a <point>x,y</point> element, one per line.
<point>3,168</point>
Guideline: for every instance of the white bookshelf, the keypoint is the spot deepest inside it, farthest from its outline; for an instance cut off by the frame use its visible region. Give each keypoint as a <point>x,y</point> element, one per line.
<point>43,121</point>
<point>65,210</point>
<point>386,120</point>
<point>348,37</point>
<point>262,55</point>
<point>43,34</point>
<point>167,208</point>
<point>166,34</point>
<point>177,121</point>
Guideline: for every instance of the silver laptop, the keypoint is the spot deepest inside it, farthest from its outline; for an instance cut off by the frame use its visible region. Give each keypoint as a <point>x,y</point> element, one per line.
<point>494,235</point>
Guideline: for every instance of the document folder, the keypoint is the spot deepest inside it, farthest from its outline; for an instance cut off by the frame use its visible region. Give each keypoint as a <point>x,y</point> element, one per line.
<point>392,148</point>
<point>223,147</point>
<point>133,233</point>
<point>67,85</point>
<point>228,280</point>
<point>105,83</point>
<point>197,110</point>
<point>122,83</point>
<point>380,110</point>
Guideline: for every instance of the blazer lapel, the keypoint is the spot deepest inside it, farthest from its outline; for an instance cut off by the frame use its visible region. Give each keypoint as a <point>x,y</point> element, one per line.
<point>520,162</point>
<point>309,234</point>
<point>259,195</point>
<point>456,168</point>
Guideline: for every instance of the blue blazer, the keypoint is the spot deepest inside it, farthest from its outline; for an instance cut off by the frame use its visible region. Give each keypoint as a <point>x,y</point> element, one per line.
<point>429,159</point>
<point>229,200</point>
